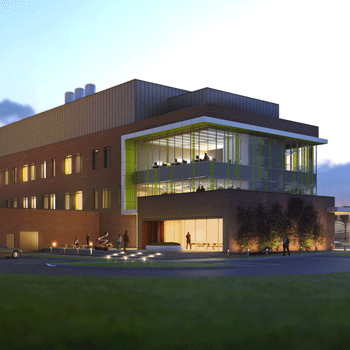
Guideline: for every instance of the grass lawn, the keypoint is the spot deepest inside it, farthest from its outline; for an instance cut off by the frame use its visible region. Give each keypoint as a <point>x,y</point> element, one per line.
<point>275,312</point>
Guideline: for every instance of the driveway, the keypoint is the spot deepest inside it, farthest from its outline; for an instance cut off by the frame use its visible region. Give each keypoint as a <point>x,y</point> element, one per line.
<point>297,264</point>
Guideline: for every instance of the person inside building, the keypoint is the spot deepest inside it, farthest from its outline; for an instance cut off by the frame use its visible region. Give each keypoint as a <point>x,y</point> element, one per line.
<point>188,240</point>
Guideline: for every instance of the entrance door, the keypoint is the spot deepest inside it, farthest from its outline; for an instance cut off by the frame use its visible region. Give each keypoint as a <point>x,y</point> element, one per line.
<point>10,240</point>
<point>29,241</point>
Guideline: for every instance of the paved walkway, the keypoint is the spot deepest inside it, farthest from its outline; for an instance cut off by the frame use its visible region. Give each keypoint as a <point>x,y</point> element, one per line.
<point>310,263</point>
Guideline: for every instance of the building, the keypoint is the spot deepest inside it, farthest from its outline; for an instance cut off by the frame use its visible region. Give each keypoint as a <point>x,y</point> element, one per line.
<point>153,160</point>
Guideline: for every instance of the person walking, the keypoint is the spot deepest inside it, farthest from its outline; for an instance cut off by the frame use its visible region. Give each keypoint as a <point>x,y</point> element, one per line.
<point>76,243</point>
<point>88,240</point>
<point>286,246</point>
<point>119,241</point>
<point>188,240</point>
<point>126,240</point>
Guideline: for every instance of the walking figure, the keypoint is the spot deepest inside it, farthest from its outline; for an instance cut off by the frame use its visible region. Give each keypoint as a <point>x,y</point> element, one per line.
<point>126,240</point>
<point>286,246</point>
<point>119,240</point>
<point>88,240</point>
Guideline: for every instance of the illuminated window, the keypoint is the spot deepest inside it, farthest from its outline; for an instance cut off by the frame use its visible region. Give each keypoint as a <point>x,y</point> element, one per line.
<point>45,201</point>
<point>43,169</point>
<point>53,167</point>
<point>7,177</point>
<point>25,203</point>
<point>25,173</point>
<point>14,203</point>
<point>32,172</point>
<point>68,201</point>
<point>94,159</point>
<point>78,200</point>
<point>78,163</point>
<point>106,198</point>
<point>107,154</point>
<point>95,199</point>
<point>52,201</point>
<point>33,202</point>
<point>68,165</point>
<point>15,175</point>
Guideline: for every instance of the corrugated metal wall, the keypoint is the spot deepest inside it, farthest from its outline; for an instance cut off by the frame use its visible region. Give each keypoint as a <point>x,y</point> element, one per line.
<point>224,99</point>
<point>100,111</point>
<point>151,99</point>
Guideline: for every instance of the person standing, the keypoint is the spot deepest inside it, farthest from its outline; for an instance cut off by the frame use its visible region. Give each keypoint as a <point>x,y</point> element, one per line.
<point>88,240</point>
<point>126,240</point>
<point>188,240</point>
<point>119,240</point>
<point>76,243</point>
<point>286,246</point>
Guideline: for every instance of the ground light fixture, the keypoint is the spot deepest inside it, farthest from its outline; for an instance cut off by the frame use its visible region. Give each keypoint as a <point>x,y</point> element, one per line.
<point>139,253</point>
<point>144,258</point>
<point>150,256</point>
<point>125,257</point>
<point>108,256</point>
<point>158,253</point>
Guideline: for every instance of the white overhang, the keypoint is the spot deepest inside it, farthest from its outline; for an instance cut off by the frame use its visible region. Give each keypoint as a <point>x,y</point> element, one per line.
<point>226,123</point>
<point>339,210</point>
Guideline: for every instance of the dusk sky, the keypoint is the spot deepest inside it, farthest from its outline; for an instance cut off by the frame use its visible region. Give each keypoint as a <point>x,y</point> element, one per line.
<point>291,52</point>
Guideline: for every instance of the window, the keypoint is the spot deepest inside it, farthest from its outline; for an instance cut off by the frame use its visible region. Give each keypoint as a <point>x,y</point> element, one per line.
<point>14,203</point>
<point>78,163</point>
<point>68,165</point>
<point>43,169</point>
<point>78,200</point>
<point>25,203</point>
<point>94,159</point>
<point>7,177</point>
<point>106,198</point>
<point>53,167</point>
<point>45,201</point>
<point>33,202</point>
<point>52,201</point>
<point>107,154</point>
<point>68,201</point>
<point>25,173</point>
<point>95,199</point>
<point>32,172</point>
<point>15,175</point>
<point>8,203</point>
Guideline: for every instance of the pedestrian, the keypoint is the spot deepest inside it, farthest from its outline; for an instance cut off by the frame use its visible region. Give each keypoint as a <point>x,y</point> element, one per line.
<point>126,240</point>
<point>286,246</point>
<point>188,240</point>
<point>119,240</point>
<point>88,240</point>
<point>76,243</point>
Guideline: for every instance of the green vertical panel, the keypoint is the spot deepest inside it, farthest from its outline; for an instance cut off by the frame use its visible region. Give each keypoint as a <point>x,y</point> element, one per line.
<point>283,152</point>
<point>237,175</point>
<point>147,165</point>
<point>253,167</point>
<point>130,166</point>
<point>295,158</point>
<point>260,156</point>
<point>212,176</point>
<point>193,146</point>
<point>228,158</point>
<point>167,149</point>
<point>155,185</point>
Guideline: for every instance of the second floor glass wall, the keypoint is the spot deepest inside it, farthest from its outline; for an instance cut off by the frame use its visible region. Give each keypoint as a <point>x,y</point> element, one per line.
<point>217,158</point>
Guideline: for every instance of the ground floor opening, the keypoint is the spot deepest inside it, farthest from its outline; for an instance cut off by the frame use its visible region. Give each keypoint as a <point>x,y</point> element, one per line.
<point>193,235</point>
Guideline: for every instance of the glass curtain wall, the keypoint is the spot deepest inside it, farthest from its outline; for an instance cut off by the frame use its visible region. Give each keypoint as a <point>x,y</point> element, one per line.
<point>206,234</point>
<point>211,158</point>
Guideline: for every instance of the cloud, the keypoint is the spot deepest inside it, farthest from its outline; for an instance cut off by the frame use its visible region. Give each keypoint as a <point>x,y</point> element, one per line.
<point>12,111</point>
